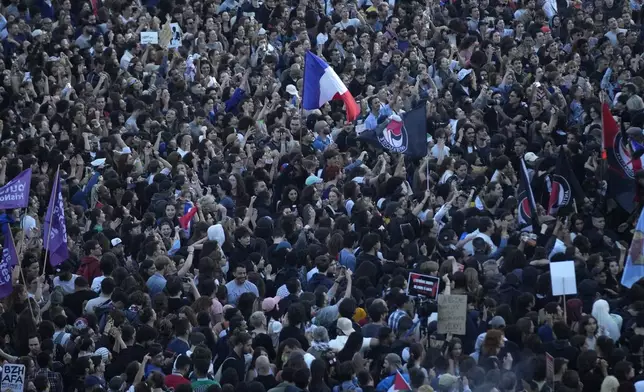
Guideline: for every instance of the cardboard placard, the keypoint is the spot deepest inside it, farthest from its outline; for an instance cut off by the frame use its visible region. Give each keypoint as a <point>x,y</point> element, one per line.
<point>419,285</point>
<point>563,278</point>
<point>13,377</point>
<point>177,34</point>
<point>165,35</point>
<point>149,37</point>
<point>452,314</point>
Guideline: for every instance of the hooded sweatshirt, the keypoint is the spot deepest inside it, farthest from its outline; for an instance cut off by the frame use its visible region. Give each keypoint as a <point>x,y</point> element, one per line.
<point>319,279</point>
<point>216,233</point>
<point>89,268</point>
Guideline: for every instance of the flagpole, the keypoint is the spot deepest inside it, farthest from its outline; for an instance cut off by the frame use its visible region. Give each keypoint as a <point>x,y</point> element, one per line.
<point>22,236</point>
<point>51,214</point>
<point>427,171</point>
<point>19,265</point>
<point>301,101</point>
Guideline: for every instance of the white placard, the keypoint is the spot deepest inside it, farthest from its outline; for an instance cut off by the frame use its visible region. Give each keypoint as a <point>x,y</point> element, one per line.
<point>175,41</point>
<point>562,275</point>
<point>149,37</point>
<point>13,378</point>
<point>125,59</point>
<point>452,314</point>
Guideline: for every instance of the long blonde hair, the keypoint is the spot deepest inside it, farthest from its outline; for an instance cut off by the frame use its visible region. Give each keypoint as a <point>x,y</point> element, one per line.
<point>472,280</point>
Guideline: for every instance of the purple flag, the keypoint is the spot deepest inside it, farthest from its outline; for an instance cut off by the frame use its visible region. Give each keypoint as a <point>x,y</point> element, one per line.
<point>12,257</point>
<point>9,259</point>
<point>16,193</point>
<point>55,226</point>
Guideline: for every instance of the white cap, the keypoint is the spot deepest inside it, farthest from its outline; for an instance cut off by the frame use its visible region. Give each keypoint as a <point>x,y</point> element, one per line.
<point>36,33</point>
<point>98,162</point>
<point>116,242</point>
<point>530,157</point>
<point>463,73</point>
<point>261,31</point>
<point>292,90</point>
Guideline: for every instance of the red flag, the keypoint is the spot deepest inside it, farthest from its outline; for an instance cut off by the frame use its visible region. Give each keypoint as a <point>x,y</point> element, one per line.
<point>621,164</point>
<point>610,129</point>
<point>399,384</point>
<point>564,186</point>
<point>185,220</point>
<point>527,209</point>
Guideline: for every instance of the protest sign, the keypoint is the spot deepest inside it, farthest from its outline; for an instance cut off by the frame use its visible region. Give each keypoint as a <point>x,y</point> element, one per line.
<point>563,279</point>
<point>419,285</point>
<point>550,370</point>
<point>452,313</point>
<point>175,40</point>
<point>13,377</point>
<point>149,37</point>
<point>125,59</point>
<point>165,35</point>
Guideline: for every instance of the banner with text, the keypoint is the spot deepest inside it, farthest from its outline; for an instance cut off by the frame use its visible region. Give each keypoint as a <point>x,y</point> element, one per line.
<point>419,285</point>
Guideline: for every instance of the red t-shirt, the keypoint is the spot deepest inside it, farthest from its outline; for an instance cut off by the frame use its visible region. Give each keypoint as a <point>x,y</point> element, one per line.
<point>173,380</point>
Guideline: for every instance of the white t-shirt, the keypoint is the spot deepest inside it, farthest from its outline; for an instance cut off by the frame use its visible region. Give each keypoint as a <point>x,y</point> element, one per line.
<point>338,343</point>
<point>28,223</point>
<point>612,36</point>
<point>64,339</point>
<point>96,284</point>
<point>469,247</point>
<point>95,302</point>
<point>446,176</point>
<point>350,22</point>
<point>68,286</point>
<point>321,39</point>
<point>182,152</point>
<point>312,272</point>
<point>435,151</point>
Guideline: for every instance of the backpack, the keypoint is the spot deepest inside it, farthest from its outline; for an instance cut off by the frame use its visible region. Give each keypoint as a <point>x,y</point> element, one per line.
<point>102,311</point>
<point>59,350</point>
<point>159,201</point>
<point>217,376</point>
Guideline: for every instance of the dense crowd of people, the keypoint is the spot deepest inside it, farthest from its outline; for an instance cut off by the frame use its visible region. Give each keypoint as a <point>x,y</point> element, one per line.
<point>222,238</point>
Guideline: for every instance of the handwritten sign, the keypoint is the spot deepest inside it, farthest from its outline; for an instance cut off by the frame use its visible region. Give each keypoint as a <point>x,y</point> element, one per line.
<point>419,285</point>
<point>13,377</point>
<point>149,37</point>
<point>452,314</point>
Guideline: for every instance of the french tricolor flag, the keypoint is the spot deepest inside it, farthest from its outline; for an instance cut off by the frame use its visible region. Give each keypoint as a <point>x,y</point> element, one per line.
<point>322,84</point>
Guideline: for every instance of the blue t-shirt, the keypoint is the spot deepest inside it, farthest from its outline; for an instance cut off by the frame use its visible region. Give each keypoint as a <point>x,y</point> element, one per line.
<point>178,346</point>
<point>149,368</point>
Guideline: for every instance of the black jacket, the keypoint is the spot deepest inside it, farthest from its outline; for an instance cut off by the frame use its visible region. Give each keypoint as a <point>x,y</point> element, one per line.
<point>561,348</point>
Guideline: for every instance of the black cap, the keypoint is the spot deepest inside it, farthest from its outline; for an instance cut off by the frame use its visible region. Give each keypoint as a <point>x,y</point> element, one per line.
<point>597,213</point>
<point>65,266</point>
